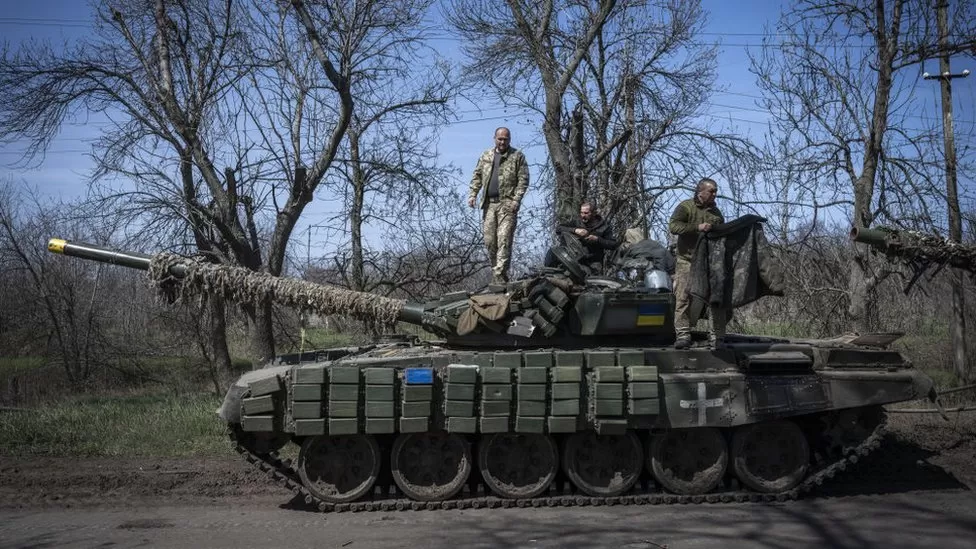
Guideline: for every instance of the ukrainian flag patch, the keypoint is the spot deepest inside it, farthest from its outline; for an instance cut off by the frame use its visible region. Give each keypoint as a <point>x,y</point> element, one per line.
<point>651,314</point>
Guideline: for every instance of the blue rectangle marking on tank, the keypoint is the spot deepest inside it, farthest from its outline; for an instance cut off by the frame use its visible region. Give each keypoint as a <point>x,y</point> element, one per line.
<point>418,376</point>
<point>651,314</point>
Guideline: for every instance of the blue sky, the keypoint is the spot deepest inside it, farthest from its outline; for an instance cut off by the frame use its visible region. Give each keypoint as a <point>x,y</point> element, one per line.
<point>734,25</point>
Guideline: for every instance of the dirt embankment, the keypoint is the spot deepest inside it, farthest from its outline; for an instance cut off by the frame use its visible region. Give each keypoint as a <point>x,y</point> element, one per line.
<point>920,452</point>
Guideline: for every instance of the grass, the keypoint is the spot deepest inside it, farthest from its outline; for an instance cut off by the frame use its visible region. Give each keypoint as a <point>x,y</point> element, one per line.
<point>13,365</point>
<point>161,425</point>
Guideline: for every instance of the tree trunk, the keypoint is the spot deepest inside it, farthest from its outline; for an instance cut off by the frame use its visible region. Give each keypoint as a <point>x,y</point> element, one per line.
<point>356,212</point>
<point>221,366</point>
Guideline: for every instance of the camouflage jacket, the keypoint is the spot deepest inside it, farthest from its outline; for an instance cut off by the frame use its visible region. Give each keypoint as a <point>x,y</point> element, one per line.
<point>732,266</point>
<point>684,223</point>
<point>513,176</point>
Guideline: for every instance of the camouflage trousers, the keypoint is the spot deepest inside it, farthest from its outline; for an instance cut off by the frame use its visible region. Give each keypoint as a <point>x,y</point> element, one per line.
<point>682,325</point>
<point>499,229</point>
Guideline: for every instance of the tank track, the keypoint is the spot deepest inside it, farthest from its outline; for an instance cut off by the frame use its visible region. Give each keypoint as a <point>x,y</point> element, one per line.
<point>280,471</point>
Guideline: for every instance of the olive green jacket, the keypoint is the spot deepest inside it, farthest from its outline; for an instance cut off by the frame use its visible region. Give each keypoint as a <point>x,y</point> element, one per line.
<point>684,223</point>
<point>513,176</point>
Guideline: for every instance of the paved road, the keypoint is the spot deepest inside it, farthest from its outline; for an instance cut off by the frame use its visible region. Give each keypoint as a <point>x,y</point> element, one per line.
<point>916,519</point>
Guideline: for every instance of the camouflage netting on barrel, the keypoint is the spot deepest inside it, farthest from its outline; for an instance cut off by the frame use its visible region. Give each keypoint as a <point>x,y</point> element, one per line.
<point>918,250</point>
<point>245,286</point>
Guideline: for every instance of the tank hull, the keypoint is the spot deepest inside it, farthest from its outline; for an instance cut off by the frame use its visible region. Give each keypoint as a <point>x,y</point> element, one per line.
<point>636,413</point>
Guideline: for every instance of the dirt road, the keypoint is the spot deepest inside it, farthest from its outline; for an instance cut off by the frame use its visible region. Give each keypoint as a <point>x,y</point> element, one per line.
<point>917,491</point>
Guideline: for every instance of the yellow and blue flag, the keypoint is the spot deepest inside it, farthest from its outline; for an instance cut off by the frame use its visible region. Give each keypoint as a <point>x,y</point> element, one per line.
<point>651,314</point>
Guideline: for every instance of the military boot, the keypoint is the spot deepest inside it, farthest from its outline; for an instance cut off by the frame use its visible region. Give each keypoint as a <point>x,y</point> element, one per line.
<point>683,341</point>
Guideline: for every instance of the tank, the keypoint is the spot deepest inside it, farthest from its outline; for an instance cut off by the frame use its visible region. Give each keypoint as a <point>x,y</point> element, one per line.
<point>556,389</point>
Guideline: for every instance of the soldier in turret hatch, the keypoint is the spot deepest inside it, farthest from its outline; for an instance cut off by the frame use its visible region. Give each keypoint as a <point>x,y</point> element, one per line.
<point>692,217</point>
<point>503,173</point>
<point>593,233</point>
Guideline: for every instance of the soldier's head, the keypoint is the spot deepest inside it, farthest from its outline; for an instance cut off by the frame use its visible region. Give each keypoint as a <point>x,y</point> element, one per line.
<point>705,192</point>
<point>503,138</point>
<point>587,211</point>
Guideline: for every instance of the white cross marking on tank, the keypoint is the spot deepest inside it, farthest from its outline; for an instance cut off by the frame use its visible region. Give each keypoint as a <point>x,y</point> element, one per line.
<point>702,403</point>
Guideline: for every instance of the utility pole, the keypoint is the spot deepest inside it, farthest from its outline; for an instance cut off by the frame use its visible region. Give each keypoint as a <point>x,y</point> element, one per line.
<point>957,324</point>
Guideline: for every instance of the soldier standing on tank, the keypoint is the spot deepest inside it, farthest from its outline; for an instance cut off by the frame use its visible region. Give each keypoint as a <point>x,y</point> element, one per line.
<point>504,174</point>
<point>692,217</point>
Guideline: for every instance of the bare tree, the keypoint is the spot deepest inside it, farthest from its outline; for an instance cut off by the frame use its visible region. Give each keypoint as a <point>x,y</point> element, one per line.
<point>620,86</point>
<point>839,84</point>
<point>264,88</point>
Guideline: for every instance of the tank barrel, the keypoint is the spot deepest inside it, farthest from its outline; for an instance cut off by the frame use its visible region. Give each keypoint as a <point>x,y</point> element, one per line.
<point>243,285</point>
<point>133,260</point>
<point>872,237</point>
<point>917,248</point>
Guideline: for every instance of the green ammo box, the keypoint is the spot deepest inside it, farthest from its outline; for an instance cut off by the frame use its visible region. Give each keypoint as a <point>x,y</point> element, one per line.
<point>538,359</point>
<point>496,392</point>
<point>609,391</point>
<point>563,391</point>
<point>461,425</point>
<point>493,424</point>
<point>496,375</point>
<point>597,359</point>
<point>459,391</point>
<point>344,375</point>
<point>458,373</point>
<point>611,374</point>
<point>507,360</point>
<point>380,426</point>
<point>530,424</point>
<point>343,426</point>
<point>565,408</point>
<point>415,409</point>
<point>264,386</point>
<point>381,393</point>
<point>569,358</point>
<point>630,358</point>
<point>643,390</point>
<point>380,376</point>
<point>532,392</point>
<point>644,407</point>
<point>263,424</point>
<point>414,424</point>
<point>306,410</point>
<point>414,393</point>
<point>348,393</point>
<point>257,405</point>
<point>309,427</point>
<point>379,409</point>
<point>495,408</point>
<point>609,407</point>
<point>561,424</point>
<point>306,392</point>
<point>642,373</point>
<point>531,408</point>
<point>309,374</point>
<point>567,374</point>
<point>533,375</point>
<point>343,409</point>
<point>459,408</point>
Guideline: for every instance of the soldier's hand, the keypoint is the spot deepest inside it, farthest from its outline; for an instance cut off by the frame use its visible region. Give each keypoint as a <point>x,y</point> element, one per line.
<point>591,237</point>
<point>704,227</point>
<point>580,232</point>
<point>512,207</point>
<point>471,202</point>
